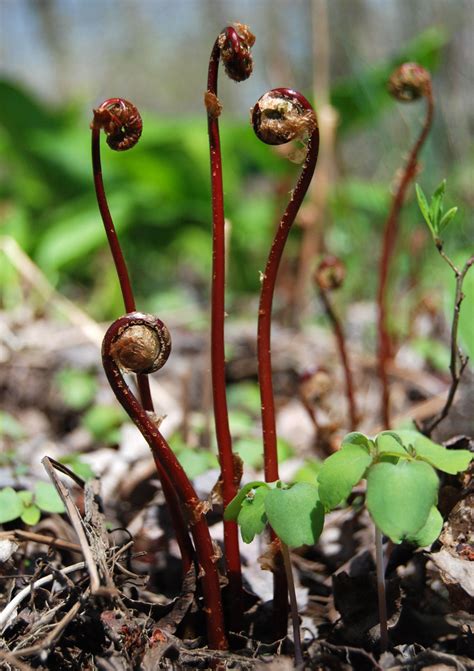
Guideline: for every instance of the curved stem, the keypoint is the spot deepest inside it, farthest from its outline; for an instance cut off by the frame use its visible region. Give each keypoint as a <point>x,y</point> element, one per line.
<point>388,248</point>
<point>280,600</point>
<point>224,441</point>
<point>341,345</point>
<point>381,592</point>
<point>143,384</point>
<point>166,461</point>
<point>295,620</point>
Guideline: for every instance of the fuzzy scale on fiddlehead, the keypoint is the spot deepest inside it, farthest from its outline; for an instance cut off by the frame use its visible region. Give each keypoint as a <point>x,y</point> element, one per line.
<point>149,352</point>
<point>408,82</point>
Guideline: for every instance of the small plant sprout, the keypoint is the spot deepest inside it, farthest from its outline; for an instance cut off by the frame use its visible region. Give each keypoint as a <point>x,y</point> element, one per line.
<point>407,83</point>
<point>145,351</point>
<point>437,220</point>
<point>122,125</point>
<point>278,117</point>
<point>402,489</point>
<point>296,516</point>
<point>232,46</point>
<point>330,275</point>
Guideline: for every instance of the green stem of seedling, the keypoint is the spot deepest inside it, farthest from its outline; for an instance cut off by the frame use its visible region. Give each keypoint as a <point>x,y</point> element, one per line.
<point>295,620</point>
<point>381,592</point>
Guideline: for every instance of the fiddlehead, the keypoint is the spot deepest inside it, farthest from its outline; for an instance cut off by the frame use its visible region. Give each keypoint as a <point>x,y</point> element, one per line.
<point>121,350</point>
<point>121,122</point>
<point>232,46</point>
<point>407,83</point>
<point>328,276</point>
<point>279,116</point>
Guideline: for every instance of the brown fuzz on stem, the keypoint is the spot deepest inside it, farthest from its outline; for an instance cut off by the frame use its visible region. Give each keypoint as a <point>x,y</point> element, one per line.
<point>121,122</point>
<point>278,118</point>
<point>330,273</point>
<point>408,82</point>
<point>235,43</point>
<point>141,349</point>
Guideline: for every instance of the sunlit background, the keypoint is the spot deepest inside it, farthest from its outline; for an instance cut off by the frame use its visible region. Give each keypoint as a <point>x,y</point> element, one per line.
<point>60,58</point>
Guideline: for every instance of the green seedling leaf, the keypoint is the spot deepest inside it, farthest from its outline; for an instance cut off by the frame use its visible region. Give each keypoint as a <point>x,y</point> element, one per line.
<point>308,472</point>
<point>196,462</point>
<point>436,206</point>
<point>447,218</point>
<point>357,438</point>
<point>449,461</point>
<point>79,467</point>
<point>400,497</point>
<point>295,514</point>
<point>430,531</point>
<point>47,498</point>
<point>252,517</point>
<point>103,422</point>
<point>250,451</point>
<point>11,505</point>
<point>340,472</point>
<point>10,427</point>
<point>389,442</point>
<point>31,515</point>
<point>424,208</point>
<point>26,496</point>
<point>77,387</point>
<point>233,509</point>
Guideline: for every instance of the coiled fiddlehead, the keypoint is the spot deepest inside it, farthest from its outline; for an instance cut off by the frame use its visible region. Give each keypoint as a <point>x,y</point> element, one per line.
<point>279,116</point>
<point>233,47</point>
<point>407,83</point>
<point>149,351</point>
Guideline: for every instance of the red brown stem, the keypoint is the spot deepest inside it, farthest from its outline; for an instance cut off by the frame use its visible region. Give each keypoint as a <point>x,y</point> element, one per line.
<point>235,52</point>
<point>391,231</point>
<point>103,117</point>
<point>341,345</point>
<point>166,461</point>
<point>278,117</point>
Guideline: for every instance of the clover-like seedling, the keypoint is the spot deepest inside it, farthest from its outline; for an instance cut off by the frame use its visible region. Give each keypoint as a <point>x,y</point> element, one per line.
<point>294,512</point>
<point>402,484</point>
<point>433,212</point>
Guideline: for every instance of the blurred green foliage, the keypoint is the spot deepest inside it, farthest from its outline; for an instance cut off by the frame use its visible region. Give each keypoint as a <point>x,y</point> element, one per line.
<point>159,195</point>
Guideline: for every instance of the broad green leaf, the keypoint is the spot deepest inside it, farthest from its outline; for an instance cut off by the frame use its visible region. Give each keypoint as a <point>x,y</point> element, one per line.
<point>390,441</point>
<point>430,531</point>
<point>47,498</point>
<point>424,208</point>
<point>357,438</point>
<point>295,514</point>
<point>26,496</point>
<point>11,505</point>
<point>340,472</point>
<point>252,517</point>
<point>31,515</point>
<point>447,218</point>
<point>233,509</point>
<point>449,461</point>
<point>400,497</point>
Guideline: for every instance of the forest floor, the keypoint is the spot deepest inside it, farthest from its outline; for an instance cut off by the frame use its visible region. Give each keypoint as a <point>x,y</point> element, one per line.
<point>113,598</point>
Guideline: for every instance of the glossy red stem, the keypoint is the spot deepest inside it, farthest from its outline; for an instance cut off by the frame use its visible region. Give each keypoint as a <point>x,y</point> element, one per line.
<point>268,290</point>
<point>280,586</point>
<point>166,461</point>
<point>221,416</point>
<point>172,500</point>
<point>341,345</point>
<point>390,235</point>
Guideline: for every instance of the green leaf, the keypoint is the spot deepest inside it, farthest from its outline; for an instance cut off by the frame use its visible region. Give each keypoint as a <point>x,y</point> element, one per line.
<point>250,451</point>
<point>196,462</point>
<point>11,505</point>
<point>31,515</point>
<point>400,497</point>
<point>233,509</point>
<point>295,514</point>
<point>430,531</point>
<point>79,467</point>
<point>47,498</point>
<point>425,209</point>
<point>449,461</point>
<point>103,422</point>
<point>447,218</point>
<point>252,517</point>
<point>308,472</point>
<point>436,205</point>
<point>10,427</point>
<point>77,387</point>
<point>357,438</point>
<point>26,496</point>
<point>390,441</point>
<point>340,472</point>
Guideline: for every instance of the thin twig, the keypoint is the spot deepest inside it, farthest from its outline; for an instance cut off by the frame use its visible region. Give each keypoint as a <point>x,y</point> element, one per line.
<point>22,535</point>
<point>458,361</point>
<point>295,621</point>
